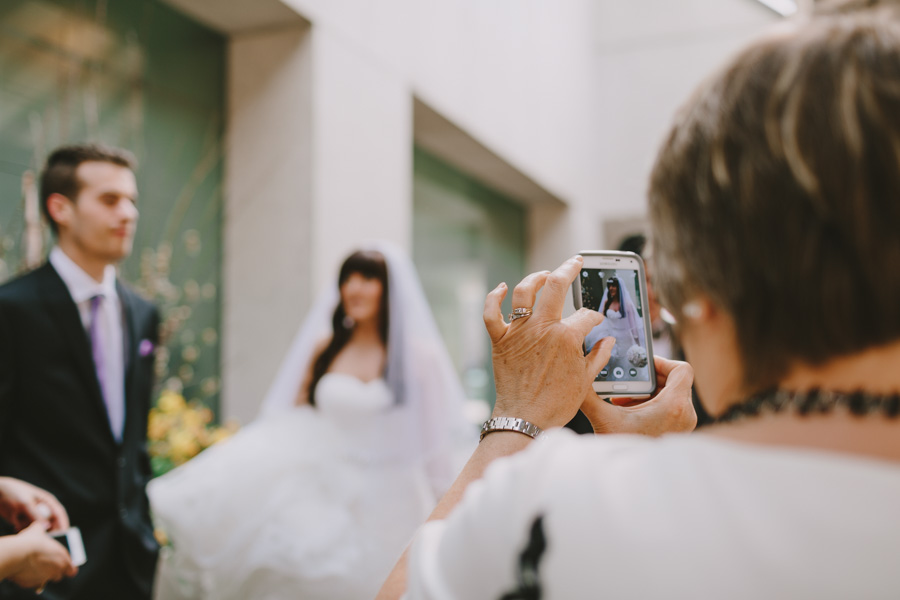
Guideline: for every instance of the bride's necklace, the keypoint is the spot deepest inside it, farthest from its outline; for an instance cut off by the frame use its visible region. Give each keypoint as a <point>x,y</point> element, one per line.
<point>812,402</point>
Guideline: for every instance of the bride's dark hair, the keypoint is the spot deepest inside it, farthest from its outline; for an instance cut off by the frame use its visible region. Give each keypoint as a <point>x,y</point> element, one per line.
<point>614,281</point>
<point>371,265</point>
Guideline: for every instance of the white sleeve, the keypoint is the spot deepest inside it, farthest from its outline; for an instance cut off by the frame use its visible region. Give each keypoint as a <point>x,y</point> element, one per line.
<point>474,553</point>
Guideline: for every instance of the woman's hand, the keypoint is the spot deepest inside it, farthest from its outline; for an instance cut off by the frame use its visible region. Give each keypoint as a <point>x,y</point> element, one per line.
<point>43,559</point>
<point>670,410</point>
<point>540,369</point>
<point>22,504</point>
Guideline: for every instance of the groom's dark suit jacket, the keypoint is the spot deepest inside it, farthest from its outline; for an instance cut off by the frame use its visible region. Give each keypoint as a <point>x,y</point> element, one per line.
<point>54,431</point>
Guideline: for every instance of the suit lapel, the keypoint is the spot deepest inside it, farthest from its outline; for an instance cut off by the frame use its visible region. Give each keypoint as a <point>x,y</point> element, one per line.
<point>134,373</point>
<point>64,312</point>
<point>130,334</point>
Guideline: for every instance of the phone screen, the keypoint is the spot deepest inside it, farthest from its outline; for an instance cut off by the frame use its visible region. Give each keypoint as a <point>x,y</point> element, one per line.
<point>616,294</point>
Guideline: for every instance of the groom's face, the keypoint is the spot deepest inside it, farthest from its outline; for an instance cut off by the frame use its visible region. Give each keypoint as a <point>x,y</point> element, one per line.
<point>101,221</point>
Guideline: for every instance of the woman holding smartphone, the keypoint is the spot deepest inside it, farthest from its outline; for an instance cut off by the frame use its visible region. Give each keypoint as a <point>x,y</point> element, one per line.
<point>357,440</point>
<point>775,203</point>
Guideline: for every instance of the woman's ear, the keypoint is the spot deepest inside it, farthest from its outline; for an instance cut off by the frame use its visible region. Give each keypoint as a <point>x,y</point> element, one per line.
<point>699,309</point>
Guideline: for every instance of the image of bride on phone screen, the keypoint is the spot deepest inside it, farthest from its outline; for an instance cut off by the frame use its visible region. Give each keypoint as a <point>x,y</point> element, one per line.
<point>623,323</point>
<point>361,432</point>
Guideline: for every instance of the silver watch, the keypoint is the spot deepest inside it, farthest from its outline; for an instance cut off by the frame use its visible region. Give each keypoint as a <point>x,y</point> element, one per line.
<point>510,424</point>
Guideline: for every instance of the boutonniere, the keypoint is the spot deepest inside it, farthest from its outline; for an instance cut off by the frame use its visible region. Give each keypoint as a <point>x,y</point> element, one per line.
<point>146,348</point>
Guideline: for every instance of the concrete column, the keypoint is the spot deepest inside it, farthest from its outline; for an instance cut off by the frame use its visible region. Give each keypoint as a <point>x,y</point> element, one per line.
<point>362,174</point>
<point>267,223</point>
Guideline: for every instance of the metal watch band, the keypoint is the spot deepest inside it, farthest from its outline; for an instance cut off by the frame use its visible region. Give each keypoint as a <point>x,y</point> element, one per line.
<point>510,424</point>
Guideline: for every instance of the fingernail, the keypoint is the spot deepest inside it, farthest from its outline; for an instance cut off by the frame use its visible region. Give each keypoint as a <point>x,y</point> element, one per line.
<point>577,258</point>
<point>608,341</point>
<point>502,284</point>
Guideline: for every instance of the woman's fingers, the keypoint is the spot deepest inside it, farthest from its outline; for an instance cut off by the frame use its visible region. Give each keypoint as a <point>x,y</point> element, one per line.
<point>59,519</point>
<point>583,321</point>
<point>599,355</point>
<point>604,417</point>
<point>493,315</point>
<point>670,410</point>
<point>525,294</point>
<point>556,288</point>
<point>664,366</point>
<point>672,373</point>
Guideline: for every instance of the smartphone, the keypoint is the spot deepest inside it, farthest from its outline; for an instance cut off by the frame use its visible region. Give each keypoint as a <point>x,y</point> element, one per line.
<point>614,284</point>
<point>71,539</point>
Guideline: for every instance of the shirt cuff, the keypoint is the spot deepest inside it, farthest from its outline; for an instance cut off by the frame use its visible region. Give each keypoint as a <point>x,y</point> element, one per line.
<point>425,579</point>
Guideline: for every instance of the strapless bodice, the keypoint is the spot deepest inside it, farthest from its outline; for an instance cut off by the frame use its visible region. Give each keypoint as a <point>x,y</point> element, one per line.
<point>343,395</point>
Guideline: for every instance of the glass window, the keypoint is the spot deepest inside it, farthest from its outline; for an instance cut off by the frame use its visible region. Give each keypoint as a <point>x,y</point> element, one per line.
<point>467,238</point>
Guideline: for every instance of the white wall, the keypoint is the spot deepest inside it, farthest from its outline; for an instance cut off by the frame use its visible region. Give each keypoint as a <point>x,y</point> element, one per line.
<point>650,55</point>
<point>513,73</point>
<point>576,94</point>
<point>268,209</point>
<point>362,155</point>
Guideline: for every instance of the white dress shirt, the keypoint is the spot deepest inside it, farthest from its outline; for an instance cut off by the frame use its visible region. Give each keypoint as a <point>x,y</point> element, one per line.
<point>82,287</point>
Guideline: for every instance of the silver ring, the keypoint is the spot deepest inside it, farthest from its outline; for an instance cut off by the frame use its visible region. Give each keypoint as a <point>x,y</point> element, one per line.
<point>519,313</point>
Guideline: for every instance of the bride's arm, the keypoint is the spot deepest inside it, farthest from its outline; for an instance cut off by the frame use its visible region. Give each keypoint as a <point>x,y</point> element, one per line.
<point>303,392</point>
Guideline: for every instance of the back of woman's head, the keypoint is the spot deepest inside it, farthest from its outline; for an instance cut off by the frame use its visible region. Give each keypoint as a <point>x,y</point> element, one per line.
<point>777,195</point>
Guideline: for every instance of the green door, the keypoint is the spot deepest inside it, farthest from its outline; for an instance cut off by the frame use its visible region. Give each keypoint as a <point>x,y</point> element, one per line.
<point>467,238</point>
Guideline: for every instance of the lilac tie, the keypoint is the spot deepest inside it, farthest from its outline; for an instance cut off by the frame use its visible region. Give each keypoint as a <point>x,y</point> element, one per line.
<point>97,348</point>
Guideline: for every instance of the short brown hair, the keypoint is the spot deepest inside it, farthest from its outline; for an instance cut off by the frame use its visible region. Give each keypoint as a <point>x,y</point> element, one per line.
<point>59,177</point>
<point>777,195</point>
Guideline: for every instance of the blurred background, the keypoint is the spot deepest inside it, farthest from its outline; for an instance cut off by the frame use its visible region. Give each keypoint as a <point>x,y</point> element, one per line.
<point>488,138</point>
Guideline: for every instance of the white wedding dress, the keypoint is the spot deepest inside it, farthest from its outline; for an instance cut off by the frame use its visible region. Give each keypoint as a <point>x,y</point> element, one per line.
<point>308,503</point>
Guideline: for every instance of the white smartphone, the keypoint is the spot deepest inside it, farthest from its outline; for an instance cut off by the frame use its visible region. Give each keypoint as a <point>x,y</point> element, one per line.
<point>614,284</point>
<point>71,539</point>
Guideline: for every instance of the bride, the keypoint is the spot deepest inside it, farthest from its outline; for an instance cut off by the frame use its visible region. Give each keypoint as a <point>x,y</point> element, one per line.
<point>360,433</point>
<point>623,323</point>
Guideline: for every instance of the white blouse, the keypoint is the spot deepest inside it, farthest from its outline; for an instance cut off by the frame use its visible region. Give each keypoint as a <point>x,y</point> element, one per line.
<point>684,516</point>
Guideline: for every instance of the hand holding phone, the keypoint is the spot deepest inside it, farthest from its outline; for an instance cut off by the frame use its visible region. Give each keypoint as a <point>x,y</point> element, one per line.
<point>670,410</point>
<point>41,558</point>
<point>71,540</point>
<point>540,372</point>
<point>614,284</point>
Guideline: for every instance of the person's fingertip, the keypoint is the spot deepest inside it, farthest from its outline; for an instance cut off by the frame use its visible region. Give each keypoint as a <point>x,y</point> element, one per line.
<point>607,342</point>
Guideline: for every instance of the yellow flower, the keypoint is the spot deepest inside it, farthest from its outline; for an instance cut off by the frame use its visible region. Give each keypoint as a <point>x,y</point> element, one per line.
<point>158,425</point>
<point>178,430</point>
<point>192,419</point>
<point>184,446</point>
<point>171,403</point>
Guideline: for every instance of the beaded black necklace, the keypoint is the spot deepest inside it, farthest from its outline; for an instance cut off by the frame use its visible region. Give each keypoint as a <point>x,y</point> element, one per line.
<point>811,402</point>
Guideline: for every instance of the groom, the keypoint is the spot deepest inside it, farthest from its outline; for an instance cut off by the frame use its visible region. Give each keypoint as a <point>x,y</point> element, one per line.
<point>76,365</point>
